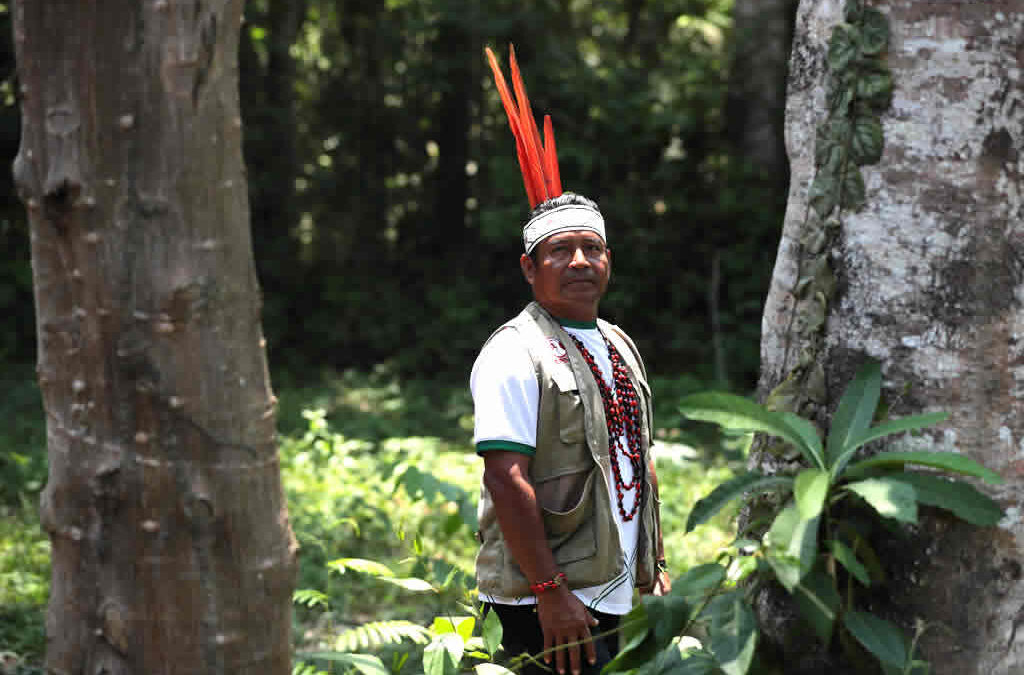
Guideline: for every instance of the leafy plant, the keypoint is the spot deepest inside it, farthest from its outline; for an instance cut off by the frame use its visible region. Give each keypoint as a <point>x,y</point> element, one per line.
<point>812,537</point>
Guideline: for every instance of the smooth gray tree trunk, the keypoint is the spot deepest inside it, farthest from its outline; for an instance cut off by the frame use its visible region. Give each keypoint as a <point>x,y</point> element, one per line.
<point>172,551</point>
<point>928,278</point>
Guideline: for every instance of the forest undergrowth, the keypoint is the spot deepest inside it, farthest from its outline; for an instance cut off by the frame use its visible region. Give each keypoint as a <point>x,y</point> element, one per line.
<point>375,470</point>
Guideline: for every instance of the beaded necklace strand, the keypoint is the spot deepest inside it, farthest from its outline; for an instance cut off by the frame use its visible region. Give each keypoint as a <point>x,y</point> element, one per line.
<point>622,413</point>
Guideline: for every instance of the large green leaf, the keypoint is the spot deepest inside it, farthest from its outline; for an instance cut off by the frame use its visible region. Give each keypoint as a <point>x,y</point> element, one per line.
<point>443,654</point>
<point>880,637</point>
<point>868,141</point>
<point>637,642</point>
<point>823,195</point>
<point>959,498</point>
<point>732,635</point>
<point>731,489</point>
<point>891,498</point>
<point>946,461</point>
<point>855,411</point>
<point>810,490</point>
<point>667,615</point>
<point>848,559</point>
<point>740,414</point>
<point>791,540</point>
<point>818,602</point>
<point>492,632</point>
<point>886,428</point>
<point>463,625</point>
<point>698,582</point>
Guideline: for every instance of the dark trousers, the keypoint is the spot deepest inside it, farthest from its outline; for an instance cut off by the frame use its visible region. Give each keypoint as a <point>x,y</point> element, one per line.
<point>521,633</point>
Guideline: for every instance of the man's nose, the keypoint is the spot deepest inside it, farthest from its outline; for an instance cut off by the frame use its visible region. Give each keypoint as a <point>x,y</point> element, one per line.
<point>578,257</point>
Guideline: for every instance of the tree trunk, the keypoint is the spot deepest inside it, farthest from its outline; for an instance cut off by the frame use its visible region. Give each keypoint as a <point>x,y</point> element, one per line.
<point>172,551</point>
<point>762,34</point>
<point>929,280</point>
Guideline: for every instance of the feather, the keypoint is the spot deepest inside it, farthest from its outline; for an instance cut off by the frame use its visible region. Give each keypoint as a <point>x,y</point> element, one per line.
<point>538,161</point>
<point>551,174</point>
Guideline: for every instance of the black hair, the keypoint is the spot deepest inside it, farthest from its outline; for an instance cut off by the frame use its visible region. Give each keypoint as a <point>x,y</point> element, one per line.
<point>563,199</point>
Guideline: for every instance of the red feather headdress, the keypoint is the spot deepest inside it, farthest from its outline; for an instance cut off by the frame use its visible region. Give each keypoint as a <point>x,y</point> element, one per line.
<point>537,161</point>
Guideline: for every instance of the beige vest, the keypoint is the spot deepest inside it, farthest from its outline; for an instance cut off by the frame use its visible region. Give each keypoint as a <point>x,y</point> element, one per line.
<point>571,466</point>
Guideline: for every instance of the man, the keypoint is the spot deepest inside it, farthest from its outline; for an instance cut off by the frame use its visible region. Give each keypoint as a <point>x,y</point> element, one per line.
<point>568,513</point>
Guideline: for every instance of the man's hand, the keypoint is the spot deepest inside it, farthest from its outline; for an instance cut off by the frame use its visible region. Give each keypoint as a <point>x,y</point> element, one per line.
<point>565,621</point>
<point>663,584</point>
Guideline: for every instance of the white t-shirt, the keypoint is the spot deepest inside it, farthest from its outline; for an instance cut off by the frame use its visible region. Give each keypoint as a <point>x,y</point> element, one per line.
<point>505,401</point>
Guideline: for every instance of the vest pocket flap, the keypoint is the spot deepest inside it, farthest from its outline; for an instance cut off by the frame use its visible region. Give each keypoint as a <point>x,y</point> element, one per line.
<point>563,522</point>
<point>564,378</point>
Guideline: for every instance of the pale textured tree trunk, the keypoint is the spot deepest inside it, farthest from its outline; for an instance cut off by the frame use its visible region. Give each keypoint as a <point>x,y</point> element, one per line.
<point>172,551</point>
<point>928,279</point>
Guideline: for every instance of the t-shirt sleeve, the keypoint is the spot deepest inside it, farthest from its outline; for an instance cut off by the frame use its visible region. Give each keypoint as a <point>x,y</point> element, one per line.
<point>505,396</point>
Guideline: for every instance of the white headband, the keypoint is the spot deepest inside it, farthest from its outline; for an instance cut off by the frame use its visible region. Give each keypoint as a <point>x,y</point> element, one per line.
<point>562,219</point>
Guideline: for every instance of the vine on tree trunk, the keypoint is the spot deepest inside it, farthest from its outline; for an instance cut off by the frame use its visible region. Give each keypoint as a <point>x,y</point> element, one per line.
<point>859,92</point>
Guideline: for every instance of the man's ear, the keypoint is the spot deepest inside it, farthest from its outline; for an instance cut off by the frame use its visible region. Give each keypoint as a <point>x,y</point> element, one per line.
<point>529,269</point>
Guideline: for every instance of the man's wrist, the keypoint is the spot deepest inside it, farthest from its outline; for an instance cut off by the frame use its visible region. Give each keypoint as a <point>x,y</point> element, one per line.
<point>551,584</point>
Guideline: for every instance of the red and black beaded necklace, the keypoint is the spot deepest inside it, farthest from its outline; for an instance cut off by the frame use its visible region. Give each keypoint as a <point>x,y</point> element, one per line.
<point>622,414</point>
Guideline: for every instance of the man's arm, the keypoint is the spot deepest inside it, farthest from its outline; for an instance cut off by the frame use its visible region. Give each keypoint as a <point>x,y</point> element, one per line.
<point>563,617</point>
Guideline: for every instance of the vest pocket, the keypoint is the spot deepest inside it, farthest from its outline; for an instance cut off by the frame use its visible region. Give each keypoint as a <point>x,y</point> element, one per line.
<point>570,531</point>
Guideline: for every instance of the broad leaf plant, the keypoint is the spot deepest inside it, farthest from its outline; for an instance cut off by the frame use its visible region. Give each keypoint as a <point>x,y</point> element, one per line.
<point>811,547</point>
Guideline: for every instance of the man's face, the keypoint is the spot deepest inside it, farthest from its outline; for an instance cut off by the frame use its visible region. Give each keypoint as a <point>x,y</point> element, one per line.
<point>570,275</point>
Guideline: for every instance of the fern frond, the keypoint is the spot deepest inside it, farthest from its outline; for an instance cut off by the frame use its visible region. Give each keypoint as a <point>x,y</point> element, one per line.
<point>309,597</point>
<point>378,633</point>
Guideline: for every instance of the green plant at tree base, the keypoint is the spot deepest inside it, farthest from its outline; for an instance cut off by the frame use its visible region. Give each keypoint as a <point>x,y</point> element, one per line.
<point>815,547</point>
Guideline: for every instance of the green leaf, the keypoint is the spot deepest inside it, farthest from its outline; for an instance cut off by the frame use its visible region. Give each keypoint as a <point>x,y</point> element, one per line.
<point>732,633</point>
<point>961,499</point>
<point>443,654</point>
<point>891,498</point>
<point>791,541</point>
<point>786,569</point>
<point>855,411</point>
<point>947,461</point>
<point>367,664</point>
<point>461,625</point>
<point>852,193</point>
<point>637,640</point>
<point>667,615</point>
<point>843,46</point>
<point>896,426</point>
<point>736,413</point>
<point>492,632</point>
<point>708,506</point>
<point>371,567</point>
<point>824,193</point>
<point>818,602</point>
<point>794,536</point>
<point>874,31</point>
<point>880,637</point>
<point>868,141</point>
<point>698,582</point>
<point>410,584</point>
<point>876,88</point>
<point>848,559</point>
<point>810,490</point>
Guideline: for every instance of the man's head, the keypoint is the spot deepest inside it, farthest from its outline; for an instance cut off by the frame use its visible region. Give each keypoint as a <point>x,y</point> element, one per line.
<point>568,267</point>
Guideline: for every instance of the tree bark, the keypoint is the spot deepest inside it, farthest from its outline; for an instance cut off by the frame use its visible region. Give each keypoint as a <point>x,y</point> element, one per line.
<point>929,280</point>
<point>172,551</point>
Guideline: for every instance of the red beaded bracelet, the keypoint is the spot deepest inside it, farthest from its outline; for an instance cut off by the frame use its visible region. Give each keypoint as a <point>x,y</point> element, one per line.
<point>548,585</point>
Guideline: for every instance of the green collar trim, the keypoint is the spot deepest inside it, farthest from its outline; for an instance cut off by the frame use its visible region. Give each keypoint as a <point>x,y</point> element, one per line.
<point>567,323</point>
